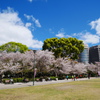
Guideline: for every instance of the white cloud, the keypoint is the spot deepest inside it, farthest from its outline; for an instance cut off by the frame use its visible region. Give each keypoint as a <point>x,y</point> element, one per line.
<point>13,29</point>
<point>96,25</point>
<point>89,38</point>
<point>36,21</point>
<point>30,0</point>
<point>67,36</point>
<point>28,24</point>
<point>62,34</point>
<point>27,16</point>
<point>74,34</point>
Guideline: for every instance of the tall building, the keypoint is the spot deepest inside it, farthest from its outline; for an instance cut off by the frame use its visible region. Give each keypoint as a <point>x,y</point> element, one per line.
<point>94,54</point>
<point>84,56</point>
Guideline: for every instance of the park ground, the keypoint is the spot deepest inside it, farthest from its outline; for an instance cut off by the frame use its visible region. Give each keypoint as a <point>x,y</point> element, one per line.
<point>82,89</point>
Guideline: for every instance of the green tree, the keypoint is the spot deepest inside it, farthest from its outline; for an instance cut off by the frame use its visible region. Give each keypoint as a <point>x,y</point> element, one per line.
<point>13,47</point>
<point>64,47</point>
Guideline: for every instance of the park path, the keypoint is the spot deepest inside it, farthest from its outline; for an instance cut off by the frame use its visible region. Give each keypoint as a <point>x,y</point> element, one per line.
<point>19,85</point>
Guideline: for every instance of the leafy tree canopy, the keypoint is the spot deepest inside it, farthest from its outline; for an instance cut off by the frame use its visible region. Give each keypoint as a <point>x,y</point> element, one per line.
<point>64,47</point>
<point>13,47</point>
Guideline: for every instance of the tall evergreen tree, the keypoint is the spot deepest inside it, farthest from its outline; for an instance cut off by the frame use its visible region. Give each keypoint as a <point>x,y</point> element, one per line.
<point>64,47</point>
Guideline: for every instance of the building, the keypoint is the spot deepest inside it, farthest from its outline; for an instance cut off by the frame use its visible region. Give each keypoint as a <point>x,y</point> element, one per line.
<point>94,54</point>
<point>84,56</point>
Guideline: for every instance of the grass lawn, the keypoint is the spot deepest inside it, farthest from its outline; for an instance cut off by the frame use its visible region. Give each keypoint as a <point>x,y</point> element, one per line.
<point>76,90</point>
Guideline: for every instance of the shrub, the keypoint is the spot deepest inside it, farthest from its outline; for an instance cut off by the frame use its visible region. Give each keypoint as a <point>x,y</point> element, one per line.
<point>61,78</point>
<point>53,78</point>
<point>18,80</point>
<point>4,80</point>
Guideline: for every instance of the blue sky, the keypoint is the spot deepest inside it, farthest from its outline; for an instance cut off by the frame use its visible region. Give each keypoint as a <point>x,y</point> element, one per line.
<point>32,21</point>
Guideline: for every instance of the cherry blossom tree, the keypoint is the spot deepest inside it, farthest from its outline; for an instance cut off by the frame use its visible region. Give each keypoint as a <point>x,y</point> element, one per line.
<point>92,67</point>
<point>72,67</point>
<point>25,61</point>
<point>44,59</point>
<point>8,62</point>
<point>61,65</point>
<point>79,68</point>
<point>98,66</point>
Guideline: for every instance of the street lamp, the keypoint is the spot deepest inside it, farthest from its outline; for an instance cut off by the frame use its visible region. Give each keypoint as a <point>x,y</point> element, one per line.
<point>34,67</point>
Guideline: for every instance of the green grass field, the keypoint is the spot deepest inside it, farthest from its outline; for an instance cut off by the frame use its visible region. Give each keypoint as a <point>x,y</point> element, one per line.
<point>76,90</point>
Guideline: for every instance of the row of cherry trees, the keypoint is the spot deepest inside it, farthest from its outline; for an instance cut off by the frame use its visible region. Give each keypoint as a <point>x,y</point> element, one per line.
<point>44,61</point>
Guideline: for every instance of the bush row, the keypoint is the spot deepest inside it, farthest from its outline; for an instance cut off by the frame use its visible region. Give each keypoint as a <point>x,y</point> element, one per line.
<point>40,78</point>
<point>14,80</point>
